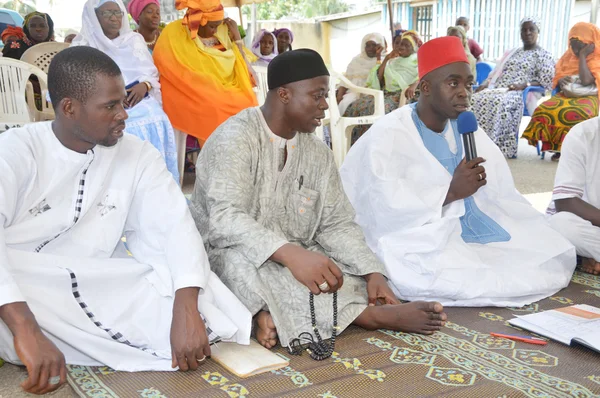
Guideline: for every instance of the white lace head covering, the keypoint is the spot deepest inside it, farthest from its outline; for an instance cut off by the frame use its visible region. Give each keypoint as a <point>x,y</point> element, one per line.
<point>128,50</point>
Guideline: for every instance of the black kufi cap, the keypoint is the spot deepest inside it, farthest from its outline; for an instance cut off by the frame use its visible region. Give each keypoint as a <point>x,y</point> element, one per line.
<point>294,66</point>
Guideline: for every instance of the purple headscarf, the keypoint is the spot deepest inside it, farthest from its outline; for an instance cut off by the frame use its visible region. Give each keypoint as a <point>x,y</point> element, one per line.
<point>256,46</point>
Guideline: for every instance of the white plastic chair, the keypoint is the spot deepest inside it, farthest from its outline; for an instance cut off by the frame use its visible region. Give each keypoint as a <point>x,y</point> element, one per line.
<point>262,84</point>
<point>16,93</point>
<point>41,55</point>
<point>340,127</point>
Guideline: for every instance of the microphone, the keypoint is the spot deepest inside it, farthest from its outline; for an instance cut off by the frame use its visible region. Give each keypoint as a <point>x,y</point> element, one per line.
<point>467,124</point>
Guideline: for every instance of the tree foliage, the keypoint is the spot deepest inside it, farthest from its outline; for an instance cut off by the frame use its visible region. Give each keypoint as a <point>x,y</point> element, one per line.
<point>277,9</point>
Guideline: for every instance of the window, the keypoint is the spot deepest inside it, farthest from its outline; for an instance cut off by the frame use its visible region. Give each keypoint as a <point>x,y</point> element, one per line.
<point>422,21</point>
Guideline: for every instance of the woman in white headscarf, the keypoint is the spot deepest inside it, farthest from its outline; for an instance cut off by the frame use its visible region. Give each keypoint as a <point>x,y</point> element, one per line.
<point>106,28</point>
<point>264,46</point>
<point>372,52</point>
<point>498,102</point>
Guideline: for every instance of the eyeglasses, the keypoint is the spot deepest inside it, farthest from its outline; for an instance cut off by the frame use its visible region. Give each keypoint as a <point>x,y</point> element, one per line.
<point>109,14</point>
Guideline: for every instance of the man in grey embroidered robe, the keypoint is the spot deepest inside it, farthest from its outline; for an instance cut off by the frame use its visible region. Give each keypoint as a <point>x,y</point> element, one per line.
<point>270,206</point>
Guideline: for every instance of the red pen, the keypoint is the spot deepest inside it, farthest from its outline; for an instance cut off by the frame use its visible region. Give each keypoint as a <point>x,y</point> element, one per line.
<point>524,339</point>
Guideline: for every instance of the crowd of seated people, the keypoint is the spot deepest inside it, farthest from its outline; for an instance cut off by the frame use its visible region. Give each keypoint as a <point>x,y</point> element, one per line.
<point>576,91</point>
<point>272,220</point>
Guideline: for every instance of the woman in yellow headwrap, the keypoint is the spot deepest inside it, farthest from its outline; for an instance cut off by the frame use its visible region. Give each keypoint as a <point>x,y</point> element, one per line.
<point>205,78</point>
<point>577,80</point>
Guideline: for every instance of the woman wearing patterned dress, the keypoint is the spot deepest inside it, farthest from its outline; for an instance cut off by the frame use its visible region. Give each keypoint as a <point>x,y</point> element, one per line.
<point>498,102</point>
<point>577,77</point>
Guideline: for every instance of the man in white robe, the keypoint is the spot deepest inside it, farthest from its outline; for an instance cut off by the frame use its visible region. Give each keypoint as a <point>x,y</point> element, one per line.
<point>277,225</point>
<point>69,292</point>
<point>447,229</point>
<point>575,207</point>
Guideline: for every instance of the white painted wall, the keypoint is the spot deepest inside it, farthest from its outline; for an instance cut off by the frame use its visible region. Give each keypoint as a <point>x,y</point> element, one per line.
<point>346,36</point>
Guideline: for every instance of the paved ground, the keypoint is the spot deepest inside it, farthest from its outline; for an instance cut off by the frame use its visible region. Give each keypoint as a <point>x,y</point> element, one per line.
<point>533,177</point>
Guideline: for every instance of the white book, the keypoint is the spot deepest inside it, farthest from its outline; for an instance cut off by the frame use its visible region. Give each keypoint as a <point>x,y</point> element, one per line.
<point>246,360</point>
<point>575,324</point>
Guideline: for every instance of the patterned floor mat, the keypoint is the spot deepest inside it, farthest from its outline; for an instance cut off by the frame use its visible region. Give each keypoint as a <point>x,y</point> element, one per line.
<point>462,360</point>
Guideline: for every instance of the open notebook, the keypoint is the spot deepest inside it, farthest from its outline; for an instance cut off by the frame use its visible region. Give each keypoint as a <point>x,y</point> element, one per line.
<point>576,324</point>
<point>245,361</point>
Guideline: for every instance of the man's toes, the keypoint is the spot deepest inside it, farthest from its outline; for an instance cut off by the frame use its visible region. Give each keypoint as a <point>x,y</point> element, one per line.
<point>436,323</point>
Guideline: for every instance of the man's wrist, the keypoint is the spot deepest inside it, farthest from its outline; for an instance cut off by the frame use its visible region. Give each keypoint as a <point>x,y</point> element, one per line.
<point>187,294</point>
<point>18,317</point>
<point>368,277</point>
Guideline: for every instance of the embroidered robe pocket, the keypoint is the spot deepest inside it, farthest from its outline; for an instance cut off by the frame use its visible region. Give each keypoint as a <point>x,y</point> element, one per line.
<point>302,213</point>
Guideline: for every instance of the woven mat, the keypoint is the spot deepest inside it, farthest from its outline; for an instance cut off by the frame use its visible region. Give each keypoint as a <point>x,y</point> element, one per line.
<point>462,360</point>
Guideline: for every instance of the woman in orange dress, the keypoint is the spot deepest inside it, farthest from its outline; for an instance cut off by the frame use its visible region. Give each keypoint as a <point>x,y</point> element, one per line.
<point>204,76</point>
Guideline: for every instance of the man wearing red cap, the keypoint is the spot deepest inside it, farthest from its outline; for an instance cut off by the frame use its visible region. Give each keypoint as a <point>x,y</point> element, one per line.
<point>446,229</point>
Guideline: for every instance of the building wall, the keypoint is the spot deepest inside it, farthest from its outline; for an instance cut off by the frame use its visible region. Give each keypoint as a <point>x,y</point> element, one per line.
<point>337,41</point>
<point>306,34</point>
<point>495,23</point>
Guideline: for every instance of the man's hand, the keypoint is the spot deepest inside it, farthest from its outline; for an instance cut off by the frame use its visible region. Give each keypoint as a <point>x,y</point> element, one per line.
<point>467,179</point>
<point>44,362</point>
<point>310,268</point>
<point>379,291</point>
<point>189,341</point>
<point>233,28</point>
<point>135,94</point>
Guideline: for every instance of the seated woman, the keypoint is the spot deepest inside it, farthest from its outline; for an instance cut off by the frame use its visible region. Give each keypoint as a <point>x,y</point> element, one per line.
<point>146,14</point>
<point>459,31</point>
<point>498,101</point>
<point>372,48</point>
<point>398,75</point>
<point>577,78</point>
<point>38,28</point>
<point>105,27</point>
<point>263,47</point>
<point>285,38</point>
<point>204,76</point>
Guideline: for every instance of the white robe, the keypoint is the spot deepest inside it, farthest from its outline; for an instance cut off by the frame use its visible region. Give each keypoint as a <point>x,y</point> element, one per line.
<point>398,188</point>
<point>578,176</point>
<point>96,303</point>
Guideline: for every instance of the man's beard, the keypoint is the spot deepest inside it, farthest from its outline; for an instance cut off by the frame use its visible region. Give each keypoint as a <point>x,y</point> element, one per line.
<point>84,137</point>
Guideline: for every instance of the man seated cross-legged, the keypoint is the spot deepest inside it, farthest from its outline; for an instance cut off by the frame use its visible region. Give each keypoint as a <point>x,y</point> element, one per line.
<point>575,210</point>
<point>269,202</point>
<point>69,291</point>
<point>446,229</point>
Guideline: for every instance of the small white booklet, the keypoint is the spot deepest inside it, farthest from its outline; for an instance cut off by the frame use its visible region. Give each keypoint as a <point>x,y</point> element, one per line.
<point>246,360</point>
<point>575,324</point>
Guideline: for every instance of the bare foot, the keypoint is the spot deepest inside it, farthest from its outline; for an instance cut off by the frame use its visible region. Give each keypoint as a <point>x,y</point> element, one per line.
<point>590,266</point>
<point>416,317</point>
<point>266,334</point>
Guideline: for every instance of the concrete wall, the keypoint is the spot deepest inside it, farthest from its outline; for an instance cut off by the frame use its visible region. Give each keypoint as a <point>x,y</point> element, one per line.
<point>338,41</point>
<point>307,34</point>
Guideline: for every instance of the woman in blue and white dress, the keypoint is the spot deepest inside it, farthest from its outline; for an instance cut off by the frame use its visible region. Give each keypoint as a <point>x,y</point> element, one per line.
<point>105,27</point>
